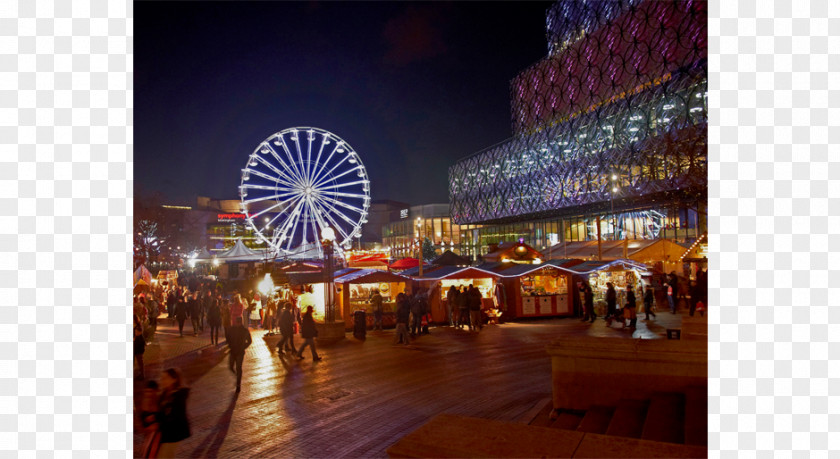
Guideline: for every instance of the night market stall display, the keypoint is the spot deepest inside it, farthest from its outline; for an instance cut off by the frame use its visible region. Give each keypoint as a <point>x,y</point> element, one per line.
<point>355,290</point>
<point>309,288</point>
<point>539,290</point>
<point>620,273</point>
<point>440,280</point>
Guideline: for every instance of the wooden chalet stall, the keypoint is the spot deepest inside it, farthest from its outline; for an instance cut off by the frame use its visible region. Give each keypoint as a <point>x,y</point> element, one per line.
<point>355,289</point>
<point>538,290</point>
<point>620,273</point>
<point>438,282</point>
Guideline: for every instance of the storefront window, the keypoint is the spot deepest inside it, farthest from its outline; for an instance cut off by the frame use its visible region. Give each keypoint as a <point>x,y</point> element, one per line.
<point>485,286</point>
<point>544,284</point>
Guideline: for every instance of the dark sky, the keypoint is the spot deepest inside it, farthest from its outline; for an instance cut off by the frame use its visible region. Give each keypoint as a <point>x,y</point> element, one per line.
<point>411,86</point>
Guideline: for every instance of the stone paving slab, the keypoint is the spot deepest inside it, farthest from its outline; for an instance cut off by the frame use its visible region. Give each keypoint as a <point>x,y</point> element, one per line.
<point>364,395</point>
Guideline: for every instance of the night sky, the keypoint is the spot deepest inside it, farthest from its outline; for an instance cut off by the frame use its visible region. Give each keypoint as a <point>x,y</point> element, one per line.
<point>411,86</point>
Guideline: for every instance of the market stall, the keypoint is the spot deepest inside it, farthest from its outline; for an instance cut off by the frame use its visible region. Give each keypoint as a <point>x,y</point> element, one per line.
<point>309,289</point>
<point>440,280</point>
<point>620,273</point>
<point>538,290</point>
<point>356,288</point>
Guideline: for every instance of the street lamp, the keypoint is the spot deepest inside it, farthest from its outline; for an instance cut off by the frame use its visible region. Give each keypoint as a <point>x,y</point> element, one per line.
<point>327,240</point>
<point>419,248</point>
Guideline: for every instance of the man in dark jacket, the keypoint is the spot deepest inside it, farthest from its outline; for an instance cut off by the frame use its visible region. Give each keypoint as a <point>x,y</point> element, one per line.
<point>474,302</point>
<point>611,299</point>
<point>239,338</point>
<point>194,310</point>
<point>287,330</point>
<point>589,303</point>
<point>308,332</point>
<point>403,311</point>
<point>462,300</point>
<point>181,314</point>
<point>418,308</point>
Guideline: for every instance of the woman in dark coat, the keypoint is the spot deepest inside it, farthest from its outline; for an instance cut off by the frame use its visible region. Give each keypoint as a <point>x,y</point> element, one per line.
<point>172,415</point>
<point>287,330</point>
<point>308,332</point>
<point>214,319</point>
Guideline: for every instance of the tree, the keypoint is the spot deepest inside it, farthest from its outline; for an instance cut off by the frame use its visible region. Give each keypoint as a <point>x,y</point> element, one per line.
<point>428,249</point>
<point>148,240</point>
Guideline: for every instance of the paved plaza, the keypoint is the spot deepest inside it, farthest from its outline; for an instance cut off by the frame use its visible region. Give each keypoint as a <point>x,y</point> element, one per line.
<point>364,395</point>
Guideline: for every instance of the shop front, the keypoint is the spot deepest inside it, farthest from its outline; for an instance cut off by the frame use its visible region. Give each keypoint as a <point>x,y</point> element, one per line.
<point>538,290</point>
<point>356,288</point>
<point>439,281</point>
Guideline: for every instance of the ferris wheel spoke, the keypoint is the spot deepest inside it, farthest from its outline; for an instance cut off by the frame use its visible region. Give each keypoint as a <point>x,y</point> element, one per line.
<point>293,227</point>
<point>321,177</point>
<point>333,210</point>
<point>292,180</point>
<point>272,207</point>
<point>317,174</point>
<point>291,173</point>
<point>298,175</point>
<point>266,198</point>
<point>345,205</point>
<point>341,185</point>
<point>289,223</point>
<point>296,138</point>
<point>340,194</point>
<point>357,168</point>
<point>326,213</point>
<point>251,186</point>
<point>267,177</point>
<point>324,140</point>
<point>310,136</point>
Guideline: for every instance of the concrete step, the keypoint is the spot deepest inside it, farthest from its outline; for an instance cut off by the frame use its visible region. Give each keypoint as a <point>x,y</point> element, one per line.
<point>665,418</point>
<point>596,419</point>
<point>628,419</point>
<point>567,420</point>
<point>542,417</point>
<point>696,416</point>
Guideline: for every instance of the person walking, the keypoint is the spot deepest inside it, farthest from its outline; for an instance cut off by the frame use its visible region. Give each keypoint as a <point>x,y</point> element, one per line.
<point>172,413</point>
<point>236,308</point>
<point>631,305</point>
<point>463,302</point>
<point>451,295</point>
<point>139,344</point>
<point>287,330</point>
<point>225,313</point>
<point>474,302</point>
<point>673,284</point>
<point>648,298</point>
<point>376,305</point>
<point>239,338</point>
<point>588,303</point>
<point>308,332</point>
<point>214,319</point>
<point>417,310</point>
<point>181,314</point>
<point>403,311</point>
<point>611,298</point>
<point>194,311</point>
<point>149,405</point>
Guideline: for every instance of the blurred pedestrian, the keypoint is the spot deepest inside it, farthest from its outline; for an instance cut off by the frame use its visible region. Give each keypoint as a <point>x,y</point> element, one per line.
<point>237,306</point>
<point>287,330</point>
<point>239,338</point>
<point>194,311</point>
<point>474,302</point>
<point>149,406</point>
<point>403,312</point>
<point>417,310</point>
<point>181,314</point>
<point>214,319</point>
<point>588,303</point>
<point>139,344</point>
<point>308,332</point>
<point>673,284</point>
<point>376,305</point>
<point>630,308</point>
<point>649,302</point>
<point>463,302</point>
<point>451,295</point>
<point>611,299</point>
<point>225,314</point>
<point>172,413</point>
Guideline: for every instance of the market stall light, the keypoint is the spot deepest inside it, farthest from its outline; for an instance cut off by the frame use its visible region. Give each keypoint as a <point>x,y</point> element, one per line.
<point>266,285</point>
<point>537,261</point>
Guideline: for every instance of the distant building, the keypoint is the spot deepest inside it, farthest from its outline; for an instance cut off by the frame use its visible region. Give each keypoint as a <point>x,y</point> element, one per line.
<point>415,223</point>
<point>380,214</point>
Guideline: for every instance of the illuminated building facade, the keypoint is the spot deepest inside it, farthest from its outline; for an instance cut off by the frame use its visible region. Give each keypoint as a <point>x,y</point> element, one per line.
<point>433,221</point>
<point>610,132</point>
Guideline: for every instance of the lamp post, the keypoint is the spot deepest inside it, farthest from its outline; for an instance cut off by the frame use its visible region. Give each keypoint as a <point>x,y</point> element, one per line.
<point>419,248</point>
<point>612,196</point>
<point>327,239</point>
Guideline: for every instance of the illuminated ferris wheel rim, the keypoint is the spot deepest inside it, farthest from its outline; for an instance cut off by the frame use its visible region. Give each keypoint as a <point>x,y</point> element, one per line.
<point>311,179</point>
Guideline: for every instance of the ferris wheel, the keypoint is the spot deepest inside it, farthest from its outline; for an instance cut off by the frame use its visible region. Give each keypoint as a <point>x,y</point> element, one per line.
<point>299,181</point>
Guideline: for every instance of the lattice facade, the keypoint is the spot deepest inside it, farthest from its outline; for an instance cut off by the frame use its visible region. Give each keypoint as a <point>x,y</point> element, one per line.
<point>622,94</point>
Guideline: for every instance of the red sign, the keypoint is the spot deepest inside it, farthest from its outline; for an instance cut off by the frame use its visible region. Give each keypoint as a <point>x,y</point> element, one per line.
<point>229,217</point>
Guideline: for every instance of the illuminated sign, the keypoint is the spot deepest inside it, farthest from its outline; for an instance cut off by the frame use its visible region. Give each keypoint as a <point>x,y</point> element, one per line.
<point>230,217</point>
<point>404,213</point>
